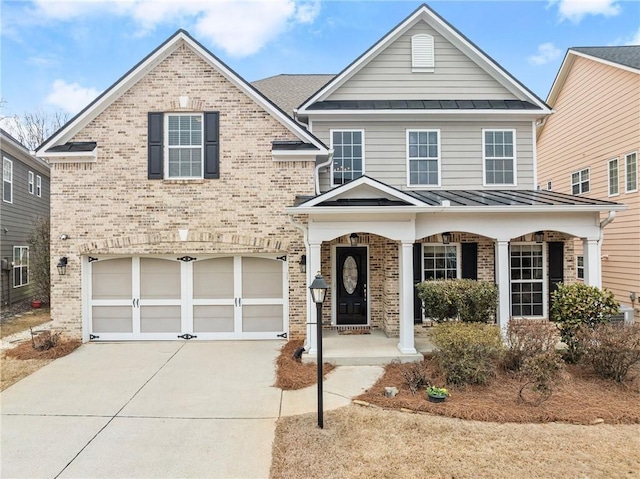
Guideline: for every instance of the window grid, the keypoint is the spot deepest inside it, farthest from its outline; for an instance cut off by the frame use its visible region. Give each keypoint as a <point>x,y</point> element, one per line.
<point>31,183</point>
<point>499,157</point>
<point>7,180</point>
<point>580,267</point>
<point>423,151</point>
<point>20,266</point>
<point>184,135</point>
<point>580,182</point>
<point>613,177</point>
<point>439,262</point>
<point>38,186</point>
<point>631,172</point>
<point>527,280</point>
<point>348,158</point>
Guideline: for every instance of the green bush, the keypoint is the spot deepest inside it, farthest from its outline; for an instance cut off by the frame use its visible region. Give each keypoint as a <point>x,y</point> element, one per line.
<point>611,349</point>
<point>576,306</point>
<point>467,353</point>
<point>466,299</point>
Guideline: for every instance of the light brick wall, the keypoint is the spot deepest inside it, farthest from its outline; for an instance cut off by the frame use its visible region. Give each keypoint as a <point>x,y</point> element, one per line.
<point>111,207</point>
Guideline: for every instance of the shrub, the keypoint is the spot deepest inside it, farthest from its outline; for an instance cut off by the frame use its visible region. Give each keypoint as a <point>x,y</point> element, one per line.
<point>45,340</point>
<point>415,375</point>
<point>467,353</point>
<point>539,370</point>
<point>576,306</point>
<point>40,259</point>
<point>466,299</point>
<point>526,339</point>
<point>611,349</point>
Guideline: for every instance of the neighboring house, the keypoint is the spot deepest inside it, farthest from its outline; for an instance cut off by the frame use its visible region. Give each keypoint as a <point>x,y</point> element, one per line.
<point>589,148</point>
<point>190,202</point>
<point>25,197</point>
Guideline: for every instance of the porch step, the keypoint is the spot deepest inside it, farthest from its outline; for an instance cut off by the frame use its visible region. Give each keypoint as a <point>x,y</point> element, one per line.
<point>379,360</point>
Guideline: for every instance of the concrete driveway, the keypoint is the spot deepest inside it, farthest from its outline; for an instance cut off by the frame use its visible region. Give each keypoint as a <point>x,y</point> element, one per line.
<point>156,410</point>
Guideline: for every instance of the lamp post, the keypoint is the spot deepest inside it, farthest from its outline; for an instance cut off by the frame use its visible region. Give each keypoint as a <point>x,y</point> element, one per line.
<point>318,291</point>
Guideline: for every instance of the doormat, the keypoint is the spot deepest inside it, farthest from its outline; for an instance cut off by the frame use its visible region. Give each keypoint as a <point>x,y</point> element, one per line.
<point>351,330</point>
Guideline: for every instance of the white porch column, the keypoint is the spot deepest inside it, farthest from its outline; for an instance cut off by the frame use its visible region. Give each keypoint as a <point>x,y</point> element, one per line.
<point>406,344</point>
<point>502,278</point>
<point>591,250</point>
<point>313,266</point>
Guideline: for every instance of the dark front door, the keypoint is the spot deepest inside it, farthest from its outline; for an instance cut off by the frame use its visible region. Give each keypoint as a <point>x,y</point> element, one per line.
<point>351,275</point>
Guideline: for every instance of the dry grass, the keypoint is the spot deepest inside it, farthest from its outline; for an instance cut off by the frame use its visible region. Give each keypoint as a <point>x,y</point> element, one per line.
<point>373,443</point>
<point>13,370</point>
<point>292,374</point>
<point>24,321</point>
<point>577,398</point>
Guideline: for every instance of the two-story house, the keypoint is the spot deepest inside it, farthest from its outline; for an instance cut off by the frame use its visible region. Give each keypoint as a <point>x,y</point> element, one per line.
<point>191,205</point>
<point>25,197</point>
<point>589,148</point>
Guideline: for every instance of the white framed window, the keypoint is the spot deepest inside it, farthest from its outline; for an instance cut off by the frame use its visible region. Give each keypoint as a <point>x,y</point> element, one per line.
<point>7,180</point>
<point>614,181</point>
<point>549,185</point>
<point>580,182</point>
<point>423,157</point>
<point>580,267</point>
<point>20,266</point>
<point>31,183</point>
<point>39,186</point>
<point>184,154</point>
<point>440,261</point>
<point>528,288</point>
<point>348,156</point>
<point>499,157</point>
<point>631,172</point>
<point>422,53</point>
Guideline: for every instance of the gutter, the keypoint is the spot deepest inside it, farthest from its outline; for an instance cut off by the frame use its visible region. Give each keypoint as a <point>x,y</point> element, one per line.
<point>316,172</point>
<point>605,222</point>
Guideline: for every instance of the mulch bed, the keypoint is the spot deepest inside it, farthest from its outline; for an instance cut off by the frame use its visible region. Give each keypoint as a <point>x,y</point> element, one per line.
<point>578,398</point>
<point>293,374</point>
<point>25,350</point>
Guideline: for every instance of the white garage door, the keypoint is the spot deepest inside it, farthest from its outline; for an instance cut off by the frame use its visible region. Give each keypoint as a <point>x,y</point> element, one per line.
<point>234,297</point>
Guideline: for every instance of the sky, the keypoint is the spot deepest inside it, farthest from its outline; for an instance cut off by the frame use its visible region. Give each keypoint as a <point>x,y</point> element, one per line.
<point>60,55</point>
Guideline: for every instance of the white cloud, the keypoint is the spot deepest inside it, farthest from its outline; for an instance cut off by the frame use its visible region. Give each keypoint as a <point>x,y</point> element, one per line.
<point>547,52</point>
<point>576,10</point>
<point>70,97</point>
<point>631,39</point>
<point>240,28</point>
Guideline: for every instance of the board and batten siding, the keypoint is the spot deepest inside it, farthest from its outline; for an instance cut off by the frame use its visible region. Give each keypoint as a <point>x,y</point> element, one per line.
<point>388,76</point>
<point>385,151</point>
<point>597,119</point>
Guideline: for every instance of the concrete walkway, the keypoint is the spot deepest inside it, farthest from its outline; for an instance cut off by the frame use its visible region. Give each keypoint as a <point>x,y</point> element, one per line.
<point>157,410</point>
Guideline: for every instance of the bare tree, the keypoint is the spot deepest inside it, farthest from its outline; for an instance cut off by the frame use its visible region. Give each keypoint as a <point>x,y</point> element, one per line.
<point>33,128</point>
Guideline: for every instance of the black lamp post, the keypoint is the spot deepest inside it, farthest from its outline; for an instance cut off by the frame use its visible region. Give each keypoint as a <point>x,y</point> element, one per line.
<point>318,292</point>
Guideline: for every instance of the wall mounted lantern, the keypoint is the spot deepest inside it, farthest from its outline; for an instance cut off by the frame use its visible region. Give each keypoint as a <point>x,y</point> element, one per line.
<point>538,236</point>
<point>446,237</point>
<point>62,266</point>
<point>303,263</point>
<point>353,239</point>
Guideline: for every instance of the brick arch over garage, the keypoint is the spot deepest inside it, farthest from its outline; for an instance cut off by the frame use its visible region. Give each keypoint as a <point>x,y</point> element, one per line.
<point>201,238</point>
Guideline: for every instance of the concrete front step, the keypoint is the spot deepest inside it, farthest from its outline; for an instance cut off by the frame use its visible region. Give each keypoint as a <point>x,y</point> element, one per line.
<point>373,360</point>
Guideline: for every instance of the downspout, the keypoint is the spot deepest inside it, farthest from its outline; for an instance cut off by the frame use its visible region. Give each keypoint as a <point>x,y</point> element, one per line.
<point>605,222</point>
<point>316,173</point>
<point>305,236</point>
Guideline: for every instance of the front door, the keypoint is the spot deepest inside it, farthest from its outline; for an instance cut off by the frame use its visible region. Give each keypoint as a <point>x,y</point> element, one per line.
<point>351,283</point>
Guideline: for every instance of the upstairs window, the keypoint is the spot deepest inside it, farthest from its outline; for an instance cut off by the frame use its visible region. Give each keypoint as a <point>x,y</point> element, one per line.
<point>38,186</point>
<point>613,177</point>
<point>580,182</point>
<point>422,53</point>
<point>631,172</point>
<point>348,156</point>
<point>499,157</point>
<point>20,266</point>
<point>184,146</point>
<point>7,180</point>
<point>423,156</point>
<point>31,182</point>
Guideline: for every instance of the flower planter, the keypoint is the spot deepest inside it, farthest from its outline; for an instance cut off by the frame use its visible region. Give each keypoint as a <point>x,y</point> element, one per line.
<point>436,397</point>
<point>36,303</point>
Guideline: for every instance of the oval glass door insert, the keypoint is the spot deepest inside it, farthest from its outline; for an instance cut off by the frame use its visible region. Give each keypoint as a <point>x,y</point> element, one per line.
<point>350,274</point>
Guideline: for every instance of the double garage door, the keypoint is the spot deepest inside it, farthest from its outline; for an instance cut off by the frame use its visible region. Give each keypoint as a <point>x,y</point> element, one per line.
<point>233,297</point>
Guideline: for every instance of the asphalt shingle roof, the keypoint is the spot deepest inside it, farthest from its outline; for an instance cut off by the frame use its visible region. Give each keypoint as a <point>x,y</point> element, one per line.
<point>290,91</point>
<point>627,55</point>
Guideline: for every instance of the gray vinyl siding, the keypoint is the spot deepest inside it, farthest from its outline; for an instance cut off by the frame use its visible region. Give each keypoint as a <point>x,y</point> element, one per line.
<point>16,221</point>
<point>388,76</point>
<point>461,151</point>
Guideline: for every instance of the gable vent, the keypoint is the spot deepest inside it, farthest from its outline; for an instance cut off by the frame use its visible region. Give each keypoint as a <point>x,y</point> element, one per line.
<point>422,53</point>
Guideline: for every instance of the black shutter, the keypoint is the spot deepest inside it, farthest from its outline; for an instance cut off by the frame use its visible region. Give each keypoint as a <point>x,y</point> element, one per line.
<point>211,144</point>
<point>417,278</point>
<point>556,265</point>
<point>155,161</point>
<point>470,261</point>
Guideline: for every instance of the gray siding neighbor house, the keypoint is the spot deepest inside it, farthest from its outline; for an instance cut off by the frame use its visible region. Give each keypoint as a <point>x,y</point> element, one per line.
<point>25,197</point>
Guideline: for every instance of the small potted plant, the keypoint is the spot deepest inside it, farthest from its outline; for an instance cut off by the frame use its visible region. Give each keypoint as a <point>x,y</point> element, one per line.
<point>36,303</point>
<point>436,394</point>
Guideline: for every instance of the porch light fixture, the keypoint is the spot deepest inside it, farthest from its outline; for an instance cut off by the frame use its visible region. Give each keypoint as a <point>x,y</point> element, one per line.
<point>62,266</point>
<point>538,236</point>
<point>353,239</point>
<point>303,263</point>
<point>446,237</point>
<point>318,292</point>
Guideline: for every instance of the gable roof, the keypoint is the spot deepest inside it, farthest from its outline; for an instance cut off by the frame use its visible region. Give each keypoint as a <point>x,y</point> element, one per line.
<point>426,14</point>
<point>73,126</point>
<point>21,152</point>
<point>288,91</point>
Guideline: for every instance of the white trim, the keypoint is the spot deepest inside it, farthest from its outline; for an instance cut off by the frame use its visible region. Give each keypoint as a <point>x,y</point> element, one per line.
<point>485,158</point>
<point>70,157</point>
<point>572,184</point>
<point>332,148</point>
<point>457,113</point>
<point>166,148</point>
<point>544,280</point>
<point>294,155</point>
<point>21,265</point>
<point>606,62</point>
<point>626,173</point>
<point>617,193</point>
<point>31,187</point>
<point>535,152</point>
<point>334,282</point>
<point>4,179</point>
<point>578,267</point>
<point>438,158</point>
